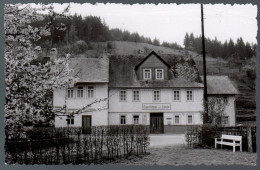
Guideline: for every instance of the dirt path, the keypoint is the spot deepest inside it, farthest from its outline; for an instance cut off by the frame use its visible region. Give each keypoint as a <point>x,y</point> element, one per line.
<point>181,155</point>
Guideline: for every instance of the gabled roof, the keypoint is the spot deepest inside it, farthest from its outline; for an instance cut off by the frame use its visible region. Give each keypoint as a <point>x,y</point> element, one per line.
<point>90,69</point>
<point>122,73</point>
<point>220,85</point>
<point>152,53</point>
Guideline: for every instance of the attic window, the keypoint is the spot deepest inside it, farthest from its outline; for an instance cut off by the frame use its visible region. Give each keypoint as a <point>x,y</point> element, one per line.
<point>147,74</point>
<point>159,74</point>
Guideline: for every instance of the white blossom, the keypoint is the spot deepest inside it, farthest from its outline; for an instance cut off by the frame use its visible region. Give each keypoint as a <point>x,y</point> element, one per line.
<point>28,83</point>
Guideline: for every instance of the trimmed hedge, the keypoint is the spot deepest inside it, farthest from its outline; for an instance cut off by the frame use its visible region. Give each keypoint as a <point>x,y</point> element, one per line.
<point>69,145</point>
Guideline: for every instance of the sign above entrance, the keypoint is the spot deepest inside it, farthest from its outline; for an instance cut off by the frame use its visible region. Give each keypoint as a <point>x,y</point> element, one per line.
<point>156,106</point>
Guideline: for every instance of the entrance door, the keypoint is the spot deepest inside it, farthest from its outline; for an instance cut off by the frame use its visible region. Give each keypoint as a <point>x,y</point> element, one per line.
<point>86,124</point>
<point>156,122</point>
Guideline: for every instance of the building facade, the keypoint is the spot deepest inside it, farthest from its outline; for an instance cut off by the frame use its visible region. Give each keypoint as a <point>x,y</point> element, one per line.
<point>221,88</point>
<point>163,92</point>
<point>91,91</point>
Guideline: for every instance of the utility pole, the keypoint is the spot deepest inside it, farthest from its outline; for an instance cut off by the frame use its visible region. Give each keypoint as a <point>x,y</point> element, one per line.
<point>205,116</point>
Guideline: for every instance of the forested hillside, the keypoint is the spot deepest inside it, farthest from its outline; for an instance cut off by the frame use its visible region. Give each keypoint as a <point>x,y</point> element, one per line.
<point>90,29</point>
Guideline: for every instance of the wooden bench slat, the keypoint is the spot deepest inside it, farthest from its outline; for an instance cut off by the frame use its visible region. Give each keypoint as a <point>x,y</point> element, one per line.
<point>228,143</point>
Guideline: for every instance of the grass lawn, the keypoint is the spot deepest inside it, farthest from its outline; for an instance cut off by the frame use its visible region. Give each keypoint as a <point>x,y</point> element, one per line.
<point>182,155</point>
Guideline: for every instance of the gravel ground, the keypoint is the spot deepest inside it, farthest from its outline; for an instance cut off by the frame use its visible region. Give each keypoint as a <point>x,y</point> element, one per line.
<point>182,155</point>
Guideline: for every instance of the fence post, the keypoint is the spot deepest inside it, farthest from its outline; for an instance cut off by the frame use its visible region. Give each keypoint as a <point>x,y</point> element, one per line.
<point>249,139</point>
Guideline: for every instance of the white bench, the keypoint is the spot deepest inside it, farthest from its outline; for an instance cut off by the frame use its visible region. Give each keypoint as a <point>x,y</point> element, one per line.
<point>230,140</point>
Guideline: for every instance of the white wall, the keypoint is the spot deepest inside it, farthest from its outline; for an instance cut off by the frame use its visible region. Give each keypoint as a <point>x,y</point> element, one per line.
<point>99,117</point>
<point>115,105</point>
<point>230,109</point>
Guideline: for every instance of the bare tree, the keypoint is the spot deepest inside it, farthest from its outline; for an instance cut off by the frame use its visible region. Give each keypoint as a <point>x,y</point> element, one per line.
<point>216,109</point>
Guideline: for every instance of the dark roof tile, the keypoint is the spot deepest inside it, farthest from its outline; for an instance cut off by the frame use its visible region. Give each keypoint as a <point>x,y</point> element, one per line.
<point>220,85</point>
<point>90,69</point>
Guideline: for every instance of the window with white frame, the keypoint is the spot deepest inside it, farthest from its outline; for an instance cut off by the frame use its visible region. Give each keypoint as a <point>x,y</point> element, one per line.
<point>159,72</point>
<point>156,95</point>
<point>189,95</point>
<point>176,95</point>
<point>218,99</point>
<point>136,119</point>
<point>123,120</point>
<point>176,119</point>
<point>90,91</point>
<point>225,120</point>
<point>80,90</point>
<point>147,74</point>
<point>70,120</point>
<point>122,95</point>
<point>222,100</point>
<point>225,100</point>
<point>136,95</point>
<point>70,93</point>
<point>189,119</point>
<point>169,120</point>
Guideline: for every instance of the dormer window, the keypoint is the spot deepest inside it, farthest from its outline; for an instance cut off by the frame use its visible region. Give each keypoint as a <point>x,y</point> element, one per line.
<point>159,74</point>
<point>147,74</point>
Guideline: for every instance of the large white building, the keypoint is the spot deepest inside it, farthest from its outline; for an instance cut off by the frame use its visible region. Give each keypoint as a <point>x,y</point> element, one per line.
<point>163,92</point>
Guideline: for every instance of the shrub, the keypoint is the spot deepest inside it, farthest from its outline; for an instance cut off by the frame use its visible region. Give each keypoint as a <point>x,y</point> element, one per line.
<point>192,136</point>
<point>79,47</point>
<point>250,71</point>
<point>202,136</point>
<point>110,46</point>
<point>207,135</point>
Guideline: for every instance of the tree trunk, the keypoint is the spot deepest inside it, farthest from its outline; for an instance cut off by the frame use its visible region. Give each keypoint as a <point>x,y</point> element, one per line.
<point>249,139</point>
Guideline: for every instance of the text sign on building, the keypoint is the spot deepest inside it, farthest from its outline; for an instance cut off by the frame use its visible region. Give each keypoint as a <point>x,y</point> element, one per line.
<point>156,106</point>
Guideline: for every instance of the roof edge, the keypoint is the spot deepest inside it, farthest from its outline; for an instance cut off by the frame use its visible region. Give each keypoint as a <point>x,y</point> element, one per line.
<point>153,52</point>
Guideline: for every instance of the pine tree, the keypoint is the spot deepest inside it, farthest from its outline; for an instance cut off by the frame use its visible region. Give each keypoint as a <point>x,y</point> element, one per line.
<point>240,48</point>
<point>156,42</point>
<point>254,49</point>
<point>231,48</point>
<point>186,42</point>
<point>224,50</point>
<point>191,42</point>
<point>248,51</point>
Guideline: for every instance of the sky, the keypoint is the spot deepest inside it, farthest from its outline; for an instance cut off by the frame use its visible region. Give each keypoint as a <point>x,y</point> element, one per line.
<point>170,22</point>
